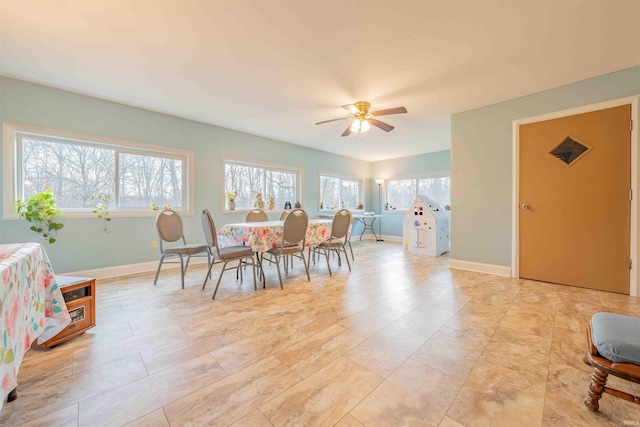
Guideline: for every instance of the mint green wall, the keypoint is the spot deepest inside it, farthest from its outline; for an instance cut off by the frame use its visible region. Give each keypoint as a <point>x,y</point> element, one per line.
<point>481,165</point>
<point>414,165</point>
<point>82,244</point>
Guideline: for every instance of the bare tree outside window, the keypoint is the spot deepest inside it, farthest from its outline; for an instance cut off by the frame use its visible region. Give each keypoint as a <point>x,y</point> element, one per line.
<point>247,180</point>
<point>402,192</point>
<point>330,192</point>
<point>145,180</point>
<point>336,192</point>
<point>77,171</point>
<point>74,172</point>
<point>349,196</point>
<point>437,188</point>
<point>281,185</point>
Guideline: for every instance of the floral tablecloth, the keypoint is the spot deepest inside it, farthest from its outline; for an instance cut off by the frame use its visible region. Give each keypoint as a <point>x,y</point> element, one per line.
<point>31,306</point>
<point>262,236</point>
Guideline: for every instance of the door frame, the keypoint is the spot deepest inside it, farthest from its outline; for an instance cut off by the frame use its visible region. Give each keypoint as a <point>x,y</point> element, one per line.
<point>634,250</point>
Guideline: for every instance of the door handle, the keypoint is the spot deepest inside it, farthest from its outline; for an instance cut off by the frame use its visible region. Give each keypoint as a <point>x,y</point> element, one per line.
<point>525,206</point>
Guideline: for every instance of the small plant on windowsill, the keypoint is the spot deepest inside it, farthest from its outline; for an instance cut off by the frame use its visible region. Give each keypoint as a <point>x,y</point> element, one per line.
<point>41,210</point>
<point>102,208</point>
<point>231,198</point>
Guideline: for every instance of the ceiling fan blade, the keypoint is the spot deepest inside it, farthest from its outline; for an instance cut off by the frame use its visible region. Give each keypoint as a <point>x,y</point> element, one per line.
<point>397,110</point>
<point>385,127</point>
<point>333,120</point>
<point>351,108</point>
<point>347,131</point>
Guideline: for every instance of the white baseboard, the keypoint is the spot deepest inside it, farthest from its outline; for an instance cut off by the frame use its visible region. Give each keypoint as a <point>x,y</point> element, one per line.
<point>497,270</point>
<point>128,269</point>
<point>145,267</point>
<point>357,238</point>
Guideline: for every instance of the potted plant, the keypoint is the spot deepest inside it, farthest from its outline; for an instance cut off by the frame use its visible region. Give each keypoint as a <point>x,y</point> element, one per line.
<point>231,198</point>
<point>102,208</point>
<point>42,211</point>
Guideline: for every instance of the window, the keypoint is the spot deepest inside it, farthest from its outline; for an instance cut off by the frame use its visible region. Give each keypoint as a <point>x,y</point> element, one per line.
<point>79,167</point>
<point>402,192</point>
<point>337,192</point>
<point>247,179</point>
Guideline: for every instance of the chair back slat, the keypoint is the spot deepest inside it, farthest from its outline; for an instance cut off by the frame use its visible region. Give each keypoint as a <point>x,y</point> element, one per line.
<point>295,227</point>
<point>257,215</point>
<point>209,229</point>
<point>341,223</point>
<point>169,226</point>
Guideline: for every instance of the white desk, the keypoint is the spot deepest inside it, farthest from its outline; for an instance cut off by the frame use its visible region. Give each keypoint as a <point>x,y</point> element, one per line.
<point>368,225</point>
<point>363,220</point>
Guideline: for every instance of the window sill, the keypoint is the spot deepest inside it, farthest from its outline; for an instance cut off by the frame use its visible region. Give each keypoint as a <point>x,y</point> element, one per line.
<point>245,210</point>
<point>113,214</point>
<point>336,210</point>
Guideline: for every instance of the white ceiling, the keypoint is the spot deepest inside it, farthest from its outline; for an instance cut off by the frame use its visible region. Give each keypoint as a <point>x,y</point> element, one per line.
<point>274,68</point>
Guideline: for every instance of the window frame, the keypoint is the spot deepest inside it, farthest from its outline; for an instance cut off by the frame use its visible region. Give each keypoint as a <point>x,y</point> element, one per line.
<point>416,177</point>
<point>340,176</point>
<point>266,166</point>
<point>11,181</point>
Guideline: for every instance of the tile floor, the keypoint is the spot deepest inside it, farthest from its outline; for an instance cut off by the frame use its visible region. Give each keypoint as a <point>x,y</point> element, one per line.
<point>402,340</point>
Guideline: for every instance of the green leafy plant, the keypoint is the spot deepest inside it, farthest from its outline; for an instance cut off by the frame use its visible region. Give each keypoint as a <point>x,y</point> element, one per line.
<point>231,195</point>
<point>102,208</point>
<point>42,211</point>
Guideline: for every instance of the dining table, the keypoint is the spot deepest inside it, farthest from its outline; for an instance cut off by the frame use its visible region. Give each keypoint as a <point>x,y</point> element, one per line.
<point>264,235</point>
<point>31,307</point>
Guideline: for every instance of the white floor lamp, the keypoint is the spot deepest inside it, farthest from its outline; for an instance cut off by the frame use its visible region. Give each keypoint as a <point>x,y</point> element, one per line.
<point>379,181</point>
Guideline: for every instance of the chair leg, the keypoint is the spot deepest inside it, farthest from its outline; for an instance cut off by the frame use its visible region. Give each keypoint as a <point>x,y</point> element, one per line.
<point>326,255</point>
<point>208,276</point>
<point>596,389</point>
<point>224,266</point>
<point>346,256</point>
<point>182,270</point>
<point>158,270</point>
<point>306,267</point>
<point>187,265</point>
<point>351,249</point>
<point>260,259</point>
<point>253,267</point>
<point>278,267</point>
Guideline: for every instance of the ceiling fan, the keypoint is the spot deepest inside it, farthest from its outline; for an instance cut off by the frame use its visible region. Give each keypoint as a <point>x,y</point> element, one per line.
<point>363,119</point>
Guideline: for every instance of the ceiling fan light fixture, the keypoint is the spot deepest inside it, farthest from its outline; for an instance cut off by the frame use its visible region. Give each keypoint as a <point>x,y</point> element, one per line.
<point>360,125</point>
<point>363,119</point>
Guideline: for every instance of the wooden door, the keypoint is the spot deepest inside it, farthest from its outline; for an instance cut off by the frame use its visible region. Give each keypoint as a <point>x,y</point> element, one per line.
<point>575,181</point>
